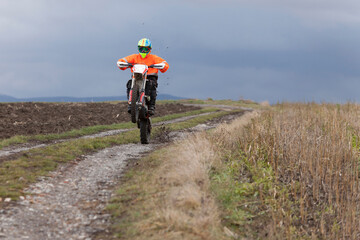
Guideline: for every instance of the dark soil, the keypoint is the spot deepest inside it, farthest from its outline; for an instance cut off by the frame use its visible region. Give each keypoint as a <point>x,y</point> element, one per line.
<point>44,118</point>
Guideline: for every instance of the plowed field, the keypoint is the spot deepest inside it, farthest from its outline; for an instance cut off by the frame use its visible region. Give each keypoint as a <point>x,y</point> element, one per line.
<point>43,118</point>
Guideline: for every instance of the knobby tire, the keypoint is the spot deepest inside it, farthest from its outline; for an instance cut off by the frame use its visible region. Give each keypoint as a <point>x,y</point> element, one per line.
<point>134,99</point>
<point>145,131</point>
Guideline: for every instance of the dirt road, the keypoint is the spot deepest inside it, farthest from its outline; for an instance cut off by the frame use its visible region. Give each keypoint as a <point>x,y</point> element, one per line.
<point>7,151</point>
<point>70,203</point>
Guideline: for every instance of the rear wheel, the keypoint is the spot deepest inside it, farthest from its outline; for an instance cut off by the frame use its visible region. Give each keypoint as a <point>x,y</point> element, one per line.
<point>134,109</point>
<point>145,130</point>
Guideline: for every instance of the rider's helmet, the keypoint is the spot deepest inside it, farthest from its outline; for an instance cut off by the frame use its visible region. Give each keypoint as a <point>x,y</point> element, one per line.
<point>144,47</point>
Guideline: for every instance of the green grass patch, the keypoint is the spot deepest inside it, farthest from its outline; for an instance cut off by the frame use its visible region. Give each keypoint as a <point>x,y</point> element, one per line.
<point>133,200</point>
<point>200,119</point>
<point>16,174</point>
<point>13,140</point>
<point>239,103</point>
<point>185,114</point>
<point>93,129</point>
<point>244,191</point>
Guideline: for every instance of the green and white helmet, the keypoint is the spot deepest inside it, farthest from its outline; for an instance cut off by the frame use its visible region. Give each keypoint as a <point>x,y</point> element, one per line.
<point>144,47</point>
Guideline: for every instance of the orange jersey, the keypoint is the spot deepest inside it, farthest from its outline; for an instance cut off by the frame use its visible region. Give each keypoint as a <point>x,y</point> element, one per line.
<point>148,60</point>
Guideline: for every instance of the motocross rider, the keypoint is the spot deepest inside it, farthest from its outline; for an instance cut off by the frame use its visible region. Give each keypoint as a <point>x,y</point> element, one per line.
<point>145,57</point>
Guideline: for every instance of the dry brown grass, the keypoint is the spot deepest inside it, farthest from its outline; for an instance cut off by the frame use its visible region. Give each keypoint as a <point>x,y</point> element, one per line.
<point>166,194</point>
<point>187,209</point>
<point>313,151</point>
<point>290,172</point>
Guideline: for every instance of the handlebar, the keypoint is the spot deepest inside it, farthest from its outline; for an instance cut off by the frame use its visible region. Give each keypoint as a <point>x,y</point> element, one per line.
<point>126,65</point>
<point>158,66</point>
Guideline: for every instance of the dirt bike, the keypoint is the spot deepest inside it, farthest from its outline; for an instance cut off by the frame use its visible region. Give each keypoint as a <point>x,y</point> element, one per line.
<point>138,101</point>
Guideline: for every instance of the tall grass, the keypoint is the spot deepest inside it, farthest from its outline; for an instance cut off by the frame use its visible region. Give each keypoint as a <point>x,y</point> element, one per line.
<point>300,163</point>
<point>184,206</point>
<point>291,173</point>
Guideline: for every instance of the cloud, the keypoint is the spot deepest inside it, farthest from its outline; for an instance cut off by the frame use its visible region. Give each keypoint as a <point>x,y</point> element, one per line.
<point>271,49</point>
<point>317,12</point>
<point>312,12</point>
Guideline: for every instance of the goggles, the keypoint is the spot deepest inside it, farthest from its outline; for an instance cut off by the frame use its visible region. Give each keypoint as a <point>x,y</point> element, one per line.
<point>144,49</point>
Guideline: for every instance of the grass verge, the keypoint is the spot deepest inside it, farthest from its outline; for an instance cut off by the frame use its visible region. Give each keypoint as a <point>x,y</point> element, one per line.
<point>167,195</point>
<point>210,101</point>
<point>93,129</point>
<point>18,173</point>
<point>293,173</point>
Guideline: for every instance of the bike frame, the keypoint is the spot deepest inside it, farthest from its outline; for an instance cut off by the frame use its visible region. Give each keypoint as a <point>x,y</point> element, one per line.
<point>139,110</point>
<point>139,77</point>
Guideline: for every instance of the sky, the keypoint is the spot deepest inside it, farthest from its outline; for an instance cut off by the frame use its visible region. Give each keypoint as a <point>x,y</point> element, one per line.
<point>263,50</point>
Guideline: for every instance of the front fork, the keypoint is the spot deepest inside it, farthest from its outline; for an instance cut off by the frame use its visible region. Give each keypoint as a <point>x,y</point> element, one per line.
<point>141,104</point>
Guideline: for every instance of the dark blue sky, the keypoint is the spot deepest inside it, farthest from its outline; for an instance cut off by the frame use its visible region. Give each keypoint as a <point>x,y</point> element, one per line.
<point>261,50</point>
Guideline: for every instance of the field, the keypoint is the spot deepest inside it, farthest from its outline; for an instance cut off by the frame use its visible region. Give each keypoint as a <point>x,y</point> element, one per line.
<point>293,173</point>
<point>53,146</point>
<point>45,118</point>
<point>288,171</point>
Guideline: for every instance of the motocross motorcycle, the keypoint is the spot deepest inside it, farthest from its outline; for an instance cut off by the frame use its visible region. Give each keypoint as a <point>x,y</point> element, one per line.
<point>138,101</point>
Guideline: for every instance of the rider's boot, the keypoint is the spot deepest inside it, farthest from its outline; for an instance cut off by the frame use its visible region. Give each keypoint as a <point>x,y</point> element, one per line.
<point>152,105</point>
<point>151,88</point>
<point>151,110</point>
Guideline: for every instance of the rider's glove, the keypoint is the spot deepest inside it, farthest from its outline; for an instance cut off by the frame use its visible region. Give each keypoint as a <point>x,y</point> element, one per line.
<point>122,65</point>
<point>159,65</point>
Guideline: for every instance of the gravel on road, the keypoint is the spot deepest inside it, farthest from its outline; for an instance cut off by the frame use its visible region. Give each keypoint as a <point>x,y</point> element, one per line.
<point>70,202</point>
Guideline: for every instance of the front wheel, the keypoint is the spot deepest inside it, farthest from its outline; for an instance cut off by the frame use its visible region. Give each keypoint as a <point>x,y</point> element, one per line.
<point>134,108</point>
<point>145,130</point>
